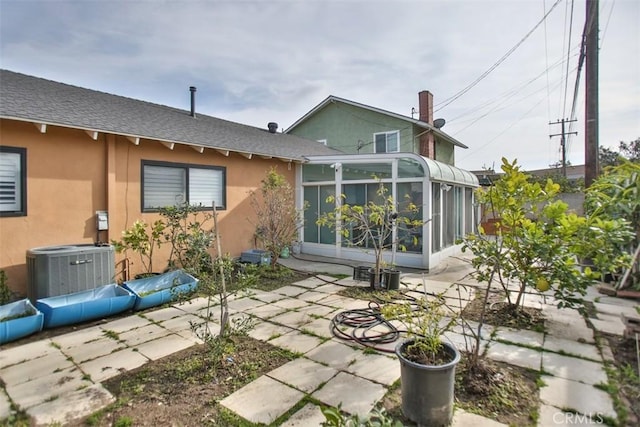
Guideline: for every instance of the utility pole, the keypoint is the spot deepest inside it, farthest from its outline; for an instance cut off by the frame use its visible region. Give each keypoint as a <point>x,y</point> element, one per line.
<point>591,143</point>
<point>563,142</point>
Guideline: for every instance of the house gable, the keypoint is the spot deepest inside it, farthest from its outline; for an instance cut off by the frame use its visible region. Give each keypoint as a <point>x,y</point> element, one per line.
<point>350,127</point>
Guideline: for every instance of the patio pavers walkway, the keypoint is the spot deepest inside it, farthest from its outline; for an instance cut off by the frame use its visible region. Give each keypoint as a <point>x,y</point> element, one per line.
<point>58,378</point>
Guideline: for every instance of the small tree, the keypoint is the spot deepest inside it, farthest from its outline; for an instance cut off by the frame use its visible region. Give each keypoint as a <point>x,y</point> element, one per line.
<point>188,231</point>
<point>143,239</point>
<point>539,242</point>
<point>616,194</point>
<point>277,219</point>
<point>372,226</point>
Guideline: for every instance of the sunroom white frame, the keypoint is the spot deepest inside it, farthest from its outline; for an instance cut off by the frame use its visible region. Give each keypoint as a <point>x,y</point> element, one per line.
<point>448,177</point>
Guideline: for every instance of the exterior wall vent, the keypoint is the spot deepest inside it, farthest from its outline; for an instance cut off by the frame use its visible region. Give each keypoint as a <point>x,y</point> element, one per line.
<point>61,270</point>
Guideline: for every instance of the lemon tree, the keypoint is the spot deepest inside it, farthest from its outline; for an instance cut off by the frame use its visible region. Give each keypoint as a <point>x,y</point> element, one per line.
<point>540,244</point>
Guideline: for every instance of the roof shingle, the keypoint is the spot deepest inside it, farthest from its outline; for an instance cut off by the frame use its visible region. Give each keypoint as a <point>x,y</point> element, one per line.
<point>39,100</point>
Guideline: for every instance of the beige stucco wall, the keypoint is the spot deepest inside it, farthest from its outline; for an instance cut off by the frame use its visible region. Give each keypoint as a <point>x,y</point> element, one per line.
<point>70,176</point>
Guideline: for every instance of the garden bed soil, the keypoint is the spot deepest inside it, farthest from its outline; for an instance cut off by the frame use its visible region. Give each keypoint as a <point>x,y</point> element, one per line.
<point>184,389</point>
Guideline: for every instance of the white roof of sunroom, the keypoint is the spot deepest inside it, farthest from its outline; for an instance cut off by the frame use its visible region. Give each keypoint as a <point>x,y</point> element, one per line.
<point>438,171</point>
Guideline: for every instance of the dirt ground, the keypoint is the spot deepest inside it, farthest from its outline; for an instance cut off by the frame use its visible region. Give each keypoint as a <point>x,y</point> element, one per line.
<point>184,388</point>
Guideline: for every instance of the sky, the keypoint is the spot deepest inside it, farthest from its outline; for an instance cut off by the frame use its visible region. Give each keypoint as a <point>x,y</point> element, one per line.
<point>499,72</point>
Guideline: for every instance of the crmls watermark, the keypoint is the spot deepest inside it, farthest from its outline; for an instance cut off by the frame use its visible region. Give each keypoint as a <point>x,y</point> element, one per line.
<point>570,418</point>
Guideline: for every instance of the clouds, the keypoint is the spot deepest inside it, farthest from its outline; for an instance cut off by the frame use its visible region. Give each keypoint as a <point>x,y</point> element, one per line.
<point>260,61</point>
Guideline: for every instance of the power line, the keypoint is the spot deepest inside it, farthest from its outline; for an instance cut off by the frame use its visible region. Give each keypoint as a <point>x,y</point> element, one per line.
<point>510,93</point>
<point>566,87</point>
<point>526,113</point>
<point>449,100</point>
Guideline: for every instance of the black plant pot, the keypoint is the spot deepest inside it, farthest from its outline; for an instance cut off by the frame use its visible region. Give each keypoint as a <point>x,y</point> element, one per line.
<point>391,279</point>
<point>372,277</point>
<point>427,391</point>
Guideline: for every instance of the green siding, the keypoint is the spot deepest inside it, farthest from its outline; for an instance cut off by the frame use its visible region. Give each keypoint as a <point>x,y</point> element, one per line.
<point>343,126</point>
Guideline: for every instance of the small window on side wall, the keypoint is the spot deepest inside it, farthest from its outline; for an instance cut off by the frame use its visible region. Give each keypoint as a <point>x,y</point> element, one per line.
<point>13,181</point>
<point>168,184</point>
<point>387,142</point>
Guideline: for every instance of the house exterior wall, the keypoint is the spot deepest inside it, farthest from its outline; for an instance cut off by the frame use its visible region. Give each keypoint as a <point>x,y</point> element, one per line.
<point>70,177</point>
<point>343,126</point>
<point>444,153</point>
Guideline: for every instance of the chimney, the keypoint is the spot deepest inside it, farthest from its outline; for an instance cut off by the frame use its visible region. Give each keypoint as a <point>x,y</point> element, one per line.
<point>427,141</point>
<point>193,101</point>
<point>272,126</point>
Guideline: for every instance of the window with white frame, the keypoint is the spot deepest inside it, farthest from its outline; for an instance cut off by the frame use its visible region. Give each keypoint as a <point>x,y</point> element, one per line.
<point>13,173</point>
<point>387,142</point>
<point>167,184</point>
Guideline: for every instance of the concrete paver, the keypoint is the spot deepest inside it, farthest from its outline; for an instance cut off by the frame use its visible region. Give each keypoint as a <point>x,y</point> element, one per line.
<point>29,351</point>
<point>519,336</point>
<point>315,310</point>
<point>113,364</point>
<point>255,402</point>
<point>5,405</point>
<point>330,288</point>
<point>334,354</point>
<point>77,404</point>
<point>296,342</point>
<point>163,314</point>
<point>290,303</point>
<point>93,349</point>
<point>125,324</point>
<point>340,302</point>
<point>313,282</point>
<point>79,338</point>
<point>182,323</point>
<point>266,311</point>
<point>355,395</point>
<point>143,334</point>
<point>164,346</point>
<point>292,319</point>
<point>570,347</point>
<point>566,323</point>
<point>583,398</point>
<point>377,368</point>
<point>310,415</point>
<point>464,419</point>
<point>303,374</point>
<point>319,327</point>
<point>572,368</point>
<point>195,305</point>
<point>520,356</point>
<point>615,309</point>
<point>608,324</point>
<point>312,296</point>
<point>243,304</point>
<point>36,368</point>
<point>552,416</point>
<point>290,291</point>
<point>267,297</point>
<point>48,387</point>
<point>266,331</point>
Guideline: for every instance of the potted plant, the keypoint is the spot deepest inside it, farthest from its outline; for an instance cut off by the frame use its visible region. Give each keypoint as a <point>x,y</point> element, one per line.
<point>427,363</point>
<point>374,226</point>
<point>143,242</point>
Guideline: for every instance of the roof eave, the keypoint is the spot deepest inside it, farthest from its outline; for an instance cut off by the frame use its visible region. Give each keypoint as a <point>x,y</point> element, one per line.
<point>131,137</point>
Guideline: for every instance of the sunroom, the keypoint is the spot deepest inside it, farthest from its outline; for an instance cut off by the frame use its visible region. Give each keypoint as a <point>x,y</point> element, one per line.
<point>443,193</point>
